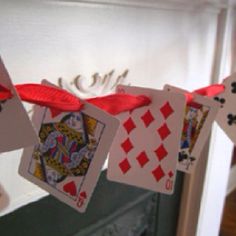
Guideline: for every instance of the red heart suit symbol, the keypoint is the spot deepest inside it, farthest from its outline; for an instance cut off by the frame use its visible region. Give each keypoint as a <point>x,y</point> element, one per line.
<point>70,188</point>
<point>83,195</point>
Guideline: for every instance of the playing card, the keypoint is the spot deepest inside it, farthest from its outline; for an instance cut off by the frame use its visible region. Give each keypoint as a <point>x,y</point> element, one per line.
<point>199,116</point>
<point>226,117</point>
<point>16,128</point>
<point>146,145</point>
<point>72,150</point>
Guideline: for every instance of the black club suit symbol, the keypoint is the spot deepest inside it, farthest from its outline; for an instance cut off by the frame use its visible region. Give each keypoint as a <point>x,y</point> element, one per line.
<point>231,119</point>
<point>185,159</point>
<point>233,85</point>
<point>184,156</point>
<point>220,100</point>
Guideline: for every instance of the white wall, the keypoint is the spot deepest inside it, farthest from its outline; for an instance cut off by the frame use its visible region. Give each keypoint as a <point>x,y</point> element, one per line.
<point>42,39</point>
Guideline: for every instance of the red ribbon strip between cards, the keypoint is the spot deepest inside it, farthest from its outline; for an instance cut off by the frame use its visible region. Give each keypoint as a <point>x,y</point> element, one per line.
<point>208,91</point>
<point>59,100</point>
<point>117,103</point>
<point>211,90</point>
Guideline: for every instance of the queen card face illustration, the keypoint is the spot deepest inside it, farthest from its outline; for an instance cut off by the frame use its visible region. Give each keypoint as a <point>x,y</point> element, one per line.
<point>73,147</point>
<point>66,149</point>
<point>195,116</point>
<point>199,116</point>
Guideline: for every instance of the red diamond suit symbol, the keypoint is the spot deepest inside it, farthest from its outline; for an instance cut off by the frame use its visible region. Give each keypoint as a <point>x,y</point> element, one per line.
<point>124,165</point>
<point>129,125</point>
<point>161,152</point>
<point>147,118</point>
<point>164,131</point>
<point>166,110</point>
<point>127,145</point>
<point>158,173</point>
<point>142,159</point>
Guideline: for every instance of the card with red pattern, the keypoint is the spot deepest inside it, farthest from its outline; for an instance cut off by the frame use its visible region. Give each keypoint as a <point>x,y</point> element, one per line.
<point>73,148</point>
<point>146,145</point>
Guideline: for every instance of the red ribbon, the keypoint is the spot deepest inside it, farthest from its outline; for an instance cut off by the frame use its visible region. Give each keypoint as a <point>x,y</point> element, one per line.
<point>5,93</point>
<point>59,100</point>
<point>48,96</point>
<point>117,103</point>
<point>208,91</point>
<point>211,90</point>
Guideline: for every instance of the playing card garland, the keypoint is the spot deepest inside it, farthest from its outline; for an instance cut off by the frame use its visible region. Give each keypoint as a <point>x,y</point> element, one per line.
<point>160,131</point>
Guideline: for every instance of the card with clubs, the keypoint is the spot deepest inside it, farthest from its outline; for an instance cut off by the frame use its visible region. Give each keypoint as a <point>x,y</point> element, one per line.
<point>226,117</point>
<point>16,128</point>
<point>199,117</point>
<point>72,150</point>
<point>145,148</point>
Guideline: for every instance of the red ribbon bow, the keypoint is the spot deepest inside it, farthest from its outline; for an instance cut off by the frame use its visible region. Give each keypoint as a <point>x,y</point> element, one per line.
<point>59,100</point>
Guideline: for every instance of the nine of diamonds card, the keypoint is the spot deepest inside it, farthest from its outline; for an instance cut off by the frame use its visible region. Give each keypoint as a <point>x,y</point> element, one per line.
<point>72,150</point>
<point>145,149</point>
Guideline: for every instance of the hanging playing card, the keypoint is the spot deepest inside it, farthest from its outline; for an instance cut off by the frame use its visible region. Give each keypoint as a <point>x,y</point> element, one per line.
<point>146,145</point>
<point>199,116</point>
<point>16,128</point>
<point>226,117</point>
<point>72,150</point>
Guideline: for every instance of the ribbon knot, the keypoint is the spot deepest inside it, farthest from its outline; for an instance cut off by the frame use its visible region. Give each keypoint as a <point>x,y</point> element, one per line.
<point>5,93</point>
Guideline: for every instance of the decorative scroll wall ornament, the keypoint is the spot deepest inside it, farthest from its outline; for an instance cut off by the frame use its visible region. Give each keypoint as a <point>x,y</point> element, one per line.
<point>96,85</point>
